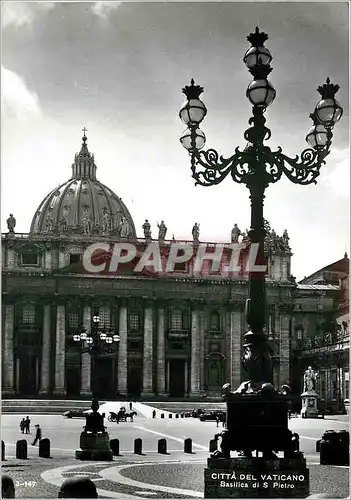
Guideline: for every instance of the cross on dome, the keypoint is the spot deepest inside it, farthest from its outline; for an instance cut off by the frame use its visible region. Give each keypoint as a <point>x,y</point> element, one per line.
<point>84,138</point>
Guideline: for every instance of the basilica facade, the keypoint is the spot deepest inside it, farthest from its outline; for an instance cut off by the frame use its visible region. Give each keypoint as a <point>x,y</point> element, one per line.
<point>180,334</point>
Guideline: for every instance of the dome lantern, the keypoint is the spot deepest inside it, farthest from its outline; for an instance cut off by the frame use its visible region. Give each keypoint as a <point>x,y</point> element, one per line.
<point>84,166</point>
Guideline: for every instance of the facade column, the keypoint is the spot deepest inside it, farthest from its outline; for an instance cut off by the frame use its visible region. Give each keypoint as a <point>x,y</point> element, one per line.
<point>195,355</point>
<point>168,376</point>
<point>122,367</point>
<point>60,350</point>
<point>202,329</point>
<point>62,260</point>
<point>284,354</point>
<point>235,348</point>
<point>148,351</point>
<point>277,344</point>
<point>48,259</point>
<point>186,378</point>
<point>17,363</point>
<point>85,388</point>
<point>8,357</point>
<point>161,370</point>
<point>11,256</point>
<point>45,353</point>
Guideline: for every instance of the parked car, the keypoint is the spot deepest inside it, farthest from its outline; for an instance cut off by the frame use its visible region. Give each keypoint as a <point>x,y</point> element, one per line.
<point>78,413</point>
<point>212,416</point>
<point>197,413</point>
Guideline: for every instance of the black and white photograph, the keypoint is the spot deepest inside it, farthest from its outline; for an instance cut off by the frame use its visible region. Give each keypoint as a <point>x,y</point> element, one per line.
<point>175,229</point>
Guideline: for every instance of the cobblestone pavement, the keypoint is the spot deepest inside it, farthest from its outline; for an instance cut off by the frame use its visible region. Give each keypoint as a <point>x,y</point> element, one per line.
<point>151,475</point>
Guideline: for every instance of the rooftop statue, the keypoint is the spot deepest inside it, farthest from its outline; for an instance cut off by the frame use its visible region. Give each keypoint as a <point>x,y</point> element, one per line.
<point>235,234</point>
<point>162,231</point>
<point>11,223</point>
<point>196,232</point>
<point>147,230</point>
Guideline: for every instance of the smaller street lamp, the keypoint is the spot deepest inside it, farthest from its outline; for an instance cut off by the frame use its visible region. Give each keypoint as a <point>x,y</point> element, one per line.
<point>97,341</point>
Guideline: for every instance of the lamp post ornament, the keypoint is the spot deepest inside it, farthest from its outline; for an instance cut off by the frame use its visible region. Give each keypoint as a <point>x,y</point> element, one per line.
<point>256,412</point>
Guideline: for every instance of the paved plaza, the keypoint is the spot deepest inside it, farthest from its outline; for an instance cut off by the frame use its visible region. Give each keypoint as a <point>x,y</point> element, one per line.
<point>150,475</point>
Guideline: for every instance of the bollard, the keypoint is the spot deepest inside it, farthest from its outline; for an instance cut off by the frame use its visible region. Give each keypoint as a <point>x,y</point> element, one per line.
<point>21,449</point>
<point>329,448</point>
<point>114,445</point>
<point>154,414</point>
<point>162,446</point>
<point>138,446</point>
<point>170,415</point>
<point>188,445</point>
<point>2,450</point>
<point>177,416</point>
<point>162,415</point>
<point>343,456</point>
<point>318,445</point>
<point>44,448</point>
<point>213,445</point>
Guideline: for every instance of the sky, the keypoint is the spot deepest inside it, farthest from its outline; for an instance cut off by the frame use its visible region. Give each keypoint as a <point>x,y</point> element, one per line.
<point>117,68</point>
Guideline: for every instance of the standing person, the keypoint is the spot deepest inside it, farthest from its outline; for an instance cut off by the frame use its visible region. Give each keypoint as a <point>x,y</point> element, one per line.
<point>27,425</point>
<point>22,425</point>
<point>37,435</point>
<point>130,406</point>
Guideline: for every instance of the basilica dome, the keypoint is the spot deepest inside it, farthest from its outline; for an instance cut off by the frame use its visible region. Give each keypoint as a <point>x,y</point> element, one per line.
<point>83,205</point>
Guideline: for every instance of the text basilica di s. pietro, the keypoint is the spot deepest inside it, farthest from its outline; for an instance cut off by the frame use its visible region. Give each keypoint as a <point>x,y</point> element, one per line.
<point>180,334</point>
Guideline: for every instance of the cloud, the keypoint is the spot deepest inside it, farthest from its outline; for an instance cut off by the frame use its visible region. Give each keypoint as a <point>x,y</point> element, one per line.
<point>17,100</point>
<point>104,9</point>
<point>18,14</point>
<point>338,174</point>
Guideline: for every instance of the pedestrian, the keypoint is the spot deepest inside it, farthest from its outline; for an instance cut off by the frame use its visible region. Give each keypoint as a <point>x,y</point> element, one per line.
<point>27,425</point>
<point>22,425</point>
<point>130,406</point>
<point>78,487</point>
<point>37,435</point>
<point>217,420</point>
<point>7,487</point>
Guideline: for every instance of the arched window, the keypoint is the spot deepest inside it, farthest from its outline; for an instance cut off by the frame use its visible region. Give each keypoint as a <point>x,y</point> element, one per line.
<point>176,319</point>
<point>28,314</point>
<point>105,317</point>
<point>215,321</point>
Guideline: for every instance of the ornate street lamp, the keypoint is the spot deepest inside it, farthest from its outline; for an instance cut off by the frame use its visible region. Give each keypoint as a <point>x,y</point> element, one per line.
<point>257,166</point>
<point>97,341</point>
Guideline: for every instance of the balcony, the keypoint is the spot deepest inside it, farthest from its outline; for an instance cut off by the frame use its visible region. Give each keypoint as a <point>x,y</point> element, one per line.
<point>337,342</point>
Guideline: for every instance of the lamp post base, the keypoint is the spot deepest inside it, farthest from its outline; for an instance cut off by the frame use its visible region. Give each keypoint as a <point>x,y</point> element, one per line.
<point>256,478</point>
<point>94,447</point>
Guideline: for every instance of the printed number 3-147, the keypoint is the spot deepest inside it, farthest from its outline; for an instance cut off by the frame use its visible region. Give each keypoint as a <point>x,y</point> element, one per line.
<point>25,484</point>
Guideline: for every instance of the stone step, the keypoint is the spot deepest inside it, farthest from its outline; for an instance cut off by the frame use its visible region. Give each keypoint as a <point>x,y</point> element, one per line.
<point>41,406</point>
<point>35,409</point>
<point>28,403</point>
